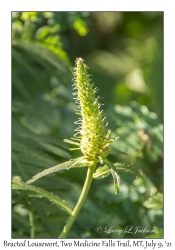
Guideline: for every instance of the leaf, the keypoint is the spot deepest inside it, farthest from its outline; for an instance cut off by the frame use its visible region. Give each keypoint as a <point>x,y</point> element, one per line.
<point>32,152</point>
<point>115,176</point>
<point>113,152</point>
<point>111,165</point>
<point>101,173</point>
<point>55,150</point>
<point>48,171</point>
<point>21,89</point>
<point>116,179</point>
<point>19,58</point>
<point>119,167</point>
<point>24,132</point>
<point>31,155</point>
<point>79,163</point>
<point>39,52</point>
<point>17,183</point>
<point>154,202</point>
<point>134,171</point>
<point>61,166</point>
<point>42,32</point>
<point>80,26</point>
<point>158,233</point>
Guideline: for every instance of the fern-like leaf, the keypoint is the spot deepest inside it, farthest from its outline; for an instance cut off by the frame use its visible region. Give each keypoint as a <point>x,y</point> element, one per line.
<point>61,166</point>
<point>17,183</point>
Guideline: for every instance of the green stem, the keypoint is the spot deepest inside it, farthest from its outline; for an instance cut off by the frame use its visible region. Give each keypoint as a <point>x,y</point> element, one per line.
<point>80,202</point>
<point>32,226</point>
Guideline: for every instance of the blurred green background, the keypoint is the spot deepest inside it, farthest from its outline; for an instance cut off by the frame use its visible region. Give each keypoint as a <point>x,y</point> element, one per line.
<point>124,51</point>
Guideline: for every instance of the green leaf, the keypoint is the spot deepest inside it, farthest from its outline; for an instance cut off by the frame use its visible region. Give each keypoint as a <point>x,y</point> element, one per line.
<point>24,132</point>
<point>120,167</point>
<point>31,155</point>
<point>101,173</point>
<point>79,25</point>
<point>115,176</point>
<point>116,179</point>
<point>22,62</point>
<point>134,171</point>
<point>65,165</point>
<point>47,171</point>
<point>111,165</point>
<point>113,152</point>
<point>41,54</point>
<point>79,163</point>
<point>42,32</point>
<point>158,233</point>
<point>55,150</point>
<point>154,202</point>
<point>17,183</point>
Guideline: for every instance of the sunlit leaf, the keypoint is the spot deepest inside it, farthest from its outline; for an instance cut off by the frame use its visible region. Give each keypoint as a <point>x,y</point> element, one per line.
<point>80,26</point>
<point>42,32</point>
<point>101,172</point>
<point>47,171</point>
<point>116,179</point>
<point>154,202</point>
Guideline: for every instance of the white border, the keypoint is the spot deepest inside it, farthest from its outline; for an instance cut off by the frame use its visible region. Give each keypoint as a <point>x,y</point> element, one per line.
<point>5,92</point>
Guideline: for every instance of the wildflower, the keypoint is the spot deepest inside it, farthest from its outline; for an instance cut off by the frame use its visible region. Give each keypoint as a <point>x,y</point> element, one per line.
<point>92,134</point>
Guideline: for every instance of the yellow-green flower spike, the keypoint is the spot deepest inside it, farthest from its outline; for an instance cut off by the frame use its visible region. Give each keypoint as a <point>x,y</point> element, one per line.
<point>92,132</point>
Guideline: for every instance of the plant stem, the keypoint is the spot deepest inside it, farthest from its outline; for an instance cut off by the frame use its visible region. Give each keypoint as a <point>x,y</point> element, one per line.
<point>80,202</point>
<point>32,226</point>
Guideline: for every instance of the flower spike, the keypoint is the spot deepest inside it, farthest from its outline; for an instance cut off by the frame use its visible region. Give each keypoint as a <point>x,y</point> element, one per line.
<point>94,140</point>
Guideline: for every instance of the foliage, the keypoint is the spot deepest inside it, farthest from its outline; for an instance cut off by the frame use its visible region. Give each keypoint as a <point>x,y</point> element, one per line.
<point>124,58</point>
<point>19,185</point>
